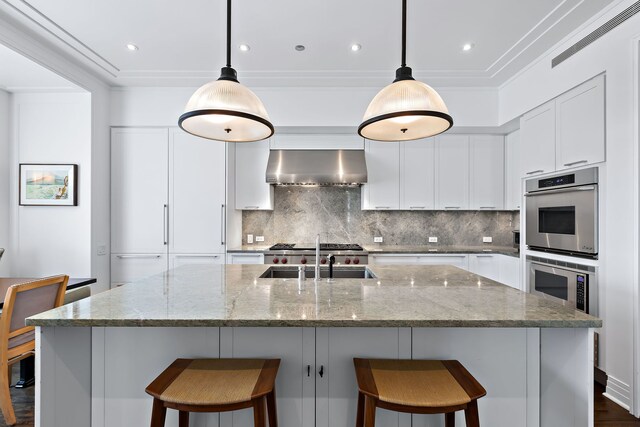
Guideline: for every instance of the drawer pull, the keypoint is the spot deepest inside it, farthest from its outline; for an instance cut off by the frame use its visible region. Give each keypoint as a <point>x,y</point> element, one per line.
<point>252,207</point>
<point>487,207</point>
<point>138,256</point>
<point>536,171</point>
<point>383,207</point>
<point>416,207</point>
<point>321,372</point>
<point>197,256</point>
<point>452,207</point>
<point>576,162</point>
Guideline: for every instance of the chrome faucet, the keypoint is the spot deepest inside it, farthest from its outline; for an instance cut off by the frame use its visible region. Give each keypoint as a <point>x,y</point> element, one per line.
<point>332,260</point>
<point>317,270</point>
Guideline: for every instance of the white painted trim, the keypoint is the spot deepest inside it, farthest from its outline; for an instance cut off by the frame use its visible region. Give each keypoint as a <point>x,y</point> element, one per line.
<point>635,401</point>
<point>533,377</point>
<point>98,371</point>
<point>618,392</point>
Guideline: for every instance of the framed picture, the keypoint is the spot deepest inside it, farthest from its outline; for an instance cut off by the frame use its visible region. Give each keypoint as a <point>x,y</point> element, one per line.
<point>48,184</point>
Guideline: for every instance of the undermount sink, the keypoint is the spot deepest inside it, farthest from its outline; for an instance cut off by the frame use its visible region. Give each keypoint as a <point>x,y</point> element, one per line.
<point>291,272</point>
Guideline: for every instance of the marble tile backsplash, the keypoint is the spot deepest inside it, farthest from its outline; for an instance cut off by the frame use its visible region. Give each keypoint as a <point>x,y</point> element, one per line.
<point>302,212</point>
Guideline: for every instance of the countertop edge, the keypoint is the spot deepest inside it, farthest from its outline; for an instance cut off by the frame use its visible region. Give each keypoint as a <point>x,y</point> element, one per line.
<point>316,323</point>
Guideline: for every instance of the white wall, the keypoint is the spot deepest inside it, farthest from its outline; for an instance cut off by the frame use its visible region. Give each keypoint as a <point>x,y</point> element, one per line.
<point>4,181</point>
<point>296,106</point>
<point>614,54</point>
<point>52,128</point>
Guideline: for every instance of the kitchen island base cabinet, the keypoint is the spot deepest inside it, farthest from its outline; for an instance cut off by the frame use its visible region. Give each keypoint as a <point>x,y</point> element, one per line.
<point>534,377</point>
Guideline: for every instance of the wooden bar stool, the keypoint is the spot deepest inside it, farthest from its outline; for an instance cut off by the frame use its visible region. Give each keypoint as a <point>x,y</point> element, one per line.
<point>215,385</point>
<point>416,387</point>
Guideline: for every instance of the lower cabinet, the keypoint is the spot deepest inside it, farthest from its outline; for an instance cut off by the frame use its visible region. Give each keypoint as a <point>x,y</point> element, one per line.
<point>458,260</point>
<point>127,268</point>
<point>177,260</point>
<point>486,265</point>
<point>244,258</point>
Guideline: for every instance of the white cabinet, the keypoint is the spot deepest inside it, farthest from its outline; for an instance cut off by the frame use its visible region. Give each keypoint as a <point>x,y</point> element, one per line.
<point>510,271</point>
<point>417,175</point>
<point>580,125</point>
<point>538,136</point>
<point>127,268</point>
<point>335,349</point>
<point>178,260</point>
<point>513,172</point>
<point>486,265</point>
<point>452,172</point>
<point>252,190</point>
<point>167,198</point>
<point>245,258</point>
<point>486,172</point>
<point>139,194</point>
<point>319,141</point>
<point>458,260</point>
<point>383,176</point>
<point>197,195</point>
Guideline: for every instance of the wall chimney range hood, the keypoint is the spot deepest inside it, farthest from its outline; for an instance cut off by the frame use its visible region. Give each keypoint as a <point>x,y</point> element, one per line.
<point>316,167</point>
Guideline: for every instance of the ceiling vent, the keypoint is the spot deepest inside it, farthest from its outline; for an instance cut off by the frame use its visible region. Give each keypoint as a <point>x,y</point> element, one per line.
<point>597,33</point>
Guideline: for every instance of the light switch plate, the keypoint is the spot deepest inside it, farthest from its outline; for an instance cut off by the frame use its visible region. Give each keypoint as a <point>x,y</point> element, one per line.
<point>249,238</point>
<point>487,239</point>
<point>102,249</point>
<point>433,240</point>
<point>377,239</point>
<point>259,238</point>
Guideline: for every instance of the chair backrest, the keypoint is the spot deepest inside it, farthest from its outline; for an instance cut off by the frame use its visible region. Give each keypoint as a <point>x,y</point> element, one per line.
<point>25,300</point>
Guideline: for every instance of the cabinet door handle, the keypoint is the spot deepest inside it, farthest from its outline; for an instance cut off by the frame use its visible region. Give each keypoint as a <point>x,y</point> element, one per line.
<point>452,207</point>
<point>308,370</point>
<point>223,228</point>
<point>197,256</point>
<point>382,207</point>
<point>484,256</point>
<point>576,162</point>
<point>251,207</point>
<point>321,371</point>
<point>165,224</point>
<point>487,207</point>
<point>416,207</point>
<point>138,256</point>
<point>536,171</point>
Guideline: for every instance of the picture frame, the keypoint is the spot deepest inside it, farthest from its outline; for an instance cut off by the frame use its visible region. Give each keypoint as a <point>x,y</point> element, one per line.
<point>48,184</point>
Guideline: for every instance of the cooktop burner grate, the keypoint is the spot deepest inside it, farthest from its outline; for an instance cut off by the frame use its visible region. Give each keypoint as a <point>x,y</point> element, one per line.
<point>323,247</point>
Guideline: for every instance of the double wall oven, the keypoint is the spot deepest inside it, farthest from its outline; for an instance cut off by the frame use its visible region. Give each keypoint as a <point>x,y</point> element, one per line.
<point>562,213</point>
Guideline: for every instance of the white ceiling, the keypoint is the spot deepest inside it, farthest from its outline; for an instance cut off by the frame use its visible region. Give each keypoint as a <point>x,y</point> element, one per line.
<point>18,74</point>
<point>182,42</point>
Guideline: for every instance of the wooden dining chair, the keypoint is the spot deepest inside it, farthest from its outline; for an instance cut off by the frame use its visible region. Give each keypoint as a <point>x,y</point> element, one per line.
<point>17,341</point>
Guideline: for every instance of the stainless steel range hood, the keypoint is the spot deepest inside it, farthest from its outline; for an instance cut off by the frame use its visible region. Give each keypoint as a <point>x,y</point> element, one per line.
<point>316,167</point>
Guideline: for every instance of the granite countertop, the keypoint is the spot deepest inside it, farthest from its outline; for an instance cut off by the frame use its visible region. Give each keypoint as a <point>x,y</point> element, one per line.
<point>233,295</point>
<point>406,249</point>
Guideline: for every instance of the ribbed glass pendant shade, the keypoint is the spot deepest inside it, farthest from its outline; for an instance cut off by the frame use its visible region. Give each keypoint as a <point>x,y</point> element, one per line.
<point>403,111</point>
<point>225,110</point>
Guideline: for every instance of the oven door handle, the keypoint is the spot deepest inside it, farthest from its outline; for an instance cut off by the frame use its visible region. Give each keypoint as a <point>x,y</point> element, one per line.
<point>561,190</point>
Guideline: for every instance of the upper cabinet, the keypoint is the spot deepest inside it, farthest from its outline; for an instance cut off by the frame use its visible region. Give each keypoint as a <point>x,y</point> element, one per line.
<point>313,141</point>
<point>538,133</point>
<point>383,176</point>
<point>252,190</point>
<point>417,175</point>
<point>566,132</point>
<point>580,124</point>
<point>486,154</point>
<point>513,172</point>
<point>452,172</point>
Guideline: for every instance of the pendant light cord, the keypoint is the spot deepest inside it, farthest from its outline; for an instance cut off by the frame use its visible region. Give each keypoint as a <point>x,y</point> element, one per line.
<point>229,33</point>
<point>404,33</point>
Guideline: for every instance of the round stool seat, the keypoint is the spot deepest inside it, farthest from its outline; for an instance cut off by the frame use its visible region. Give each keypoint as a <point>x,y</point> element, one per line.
<point>416,386</point>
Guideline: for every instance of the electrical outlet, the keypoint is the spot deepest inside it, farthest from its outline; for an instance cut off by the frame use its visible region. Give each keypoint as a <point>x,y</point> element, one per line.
<point>433,240</point>
<point>102,249</point>
<point>249,238</point>
<point>377,239</point>
<point>259,238</point>
<point>487,239</point>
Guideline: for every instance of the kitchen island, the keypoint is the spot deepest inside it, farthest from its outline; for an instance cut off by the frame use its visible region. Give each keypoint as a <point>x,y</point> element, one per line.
<point>96,356</point>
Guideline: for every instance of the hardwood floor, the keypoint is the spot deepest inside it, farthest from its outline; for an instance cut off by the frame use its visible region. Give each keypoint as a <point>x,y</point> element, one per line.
<point>608,414</point>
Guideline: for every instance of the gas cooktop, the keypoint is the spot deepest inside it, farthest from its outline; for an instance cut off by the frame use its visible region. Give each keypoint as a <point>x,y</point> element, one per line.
<point>323,247</point>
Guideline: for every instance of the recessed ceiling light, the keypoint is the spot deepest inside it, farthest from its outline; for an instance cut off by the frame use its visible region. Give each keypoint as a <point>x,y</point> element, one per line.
<point>467,47</point>
<point>300,47</point>
<point>356,47</point>
<point>245,47</point>
<point>132,46</point>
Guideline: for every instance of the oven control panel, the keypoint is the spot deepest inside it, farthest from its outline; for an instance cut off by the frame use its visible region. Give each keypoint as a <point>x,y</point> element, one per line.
<point>581,294</point>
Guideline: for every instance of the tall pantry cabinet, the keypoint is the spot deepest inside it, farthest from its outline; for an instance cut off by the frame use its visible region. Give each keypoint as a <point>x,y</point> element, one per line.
<point>167,201</point>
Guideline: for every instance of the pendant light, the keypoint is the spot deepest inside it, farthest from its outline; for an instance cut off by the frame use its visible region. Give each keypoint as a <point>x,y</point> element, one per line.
<point>225,110</point>
<point>406,109</point>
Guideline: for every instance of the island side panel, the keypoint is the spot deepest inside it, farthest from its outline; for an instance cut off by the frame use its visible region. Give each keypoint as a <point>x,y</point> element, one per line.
<point>566,377</point>
<point>126,360</point>
<point>63,377</point>
<point>496,357</point>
